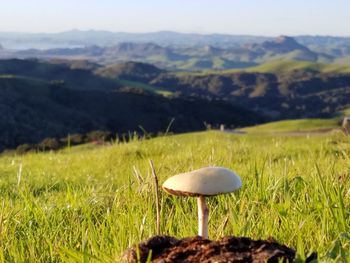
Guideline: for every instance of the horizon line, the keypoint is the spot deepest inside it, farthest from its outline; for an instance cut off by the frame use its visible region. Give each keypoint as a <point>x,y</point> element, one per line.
<point>172,31</point>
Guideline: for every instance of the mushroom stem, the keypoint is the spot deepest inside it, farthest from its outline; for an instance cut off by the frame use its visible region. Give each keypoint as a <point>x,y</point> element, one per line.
<point>203,212</point>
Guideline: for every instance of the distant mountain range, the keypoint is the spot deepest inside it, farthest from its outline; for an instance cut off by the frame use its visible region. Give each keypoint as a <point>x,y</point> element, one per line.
<point>175,51</point>
<point>76,38</point>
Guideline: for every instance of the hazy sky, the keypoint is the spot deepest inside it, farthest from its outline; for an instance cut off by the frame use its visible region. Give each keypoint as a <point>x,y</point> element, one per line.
<point>257,17</point>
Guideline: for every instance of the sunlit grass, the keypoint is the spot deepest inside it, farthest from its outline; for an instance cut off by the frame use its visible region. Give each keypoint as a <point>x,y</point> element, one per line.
<point>278,66</point>
<point>92,204</point>
<point>145,87</point>
<point>300,125</point>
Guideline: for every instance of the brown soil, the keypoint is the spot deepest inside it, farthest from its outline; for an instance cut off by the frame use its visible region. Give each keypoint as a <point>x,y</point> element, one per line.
<point>196,249</point>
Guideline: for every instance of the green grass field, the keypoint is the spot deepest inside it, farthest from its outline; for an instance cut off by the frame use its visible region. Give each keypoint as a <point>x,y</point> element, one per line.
<point>89,204</point>
<point>301,125</point>
<point>279,66</point>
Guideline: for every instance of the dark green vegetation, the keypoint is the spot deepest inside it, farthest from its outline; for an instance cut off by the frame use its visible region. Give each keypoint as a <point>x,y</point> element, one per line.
<point>90,205</point>
<point>41,100</point>
<point>292,94</point>
<point>130,70</point>
<point>283,90</point>
<point>34,72</point>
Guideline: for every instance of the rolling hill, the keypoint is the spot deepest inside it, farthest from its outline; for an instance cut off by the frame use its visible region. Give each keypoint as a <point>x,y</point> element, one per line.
<point>281,91</point>
<point>130,70</point>
<point>283,66</point>
<point>295,126</point>
<point>42,99</point>
<point>278,90</point>
<point>74,78</point>
<point>49,100</point>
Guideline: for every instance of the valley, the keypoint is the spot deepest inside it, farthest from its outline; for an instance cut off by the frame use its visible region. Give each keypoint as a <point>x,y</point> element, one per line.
<point>129,84</point>
<point>55,97</point>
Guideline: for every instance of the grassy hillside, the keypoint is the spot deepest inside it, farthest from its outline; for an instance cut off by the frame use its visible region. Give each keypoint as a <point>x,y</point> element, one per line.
<point>39,100</point>
<point>282,66</point>
<point>144,86</point>
<point>84,204</point>
<point>301,125</point>
<point>78,79</point>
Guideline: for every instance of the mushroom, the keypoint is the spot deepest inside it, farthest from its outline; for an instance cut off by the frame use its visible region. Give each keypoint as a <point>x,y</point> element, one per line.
<point>201,183</point>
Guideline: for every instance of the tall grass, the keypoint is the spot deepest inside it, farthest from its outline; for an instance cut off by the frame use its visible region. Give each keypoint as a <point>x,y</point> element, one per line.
<point>89,205</point>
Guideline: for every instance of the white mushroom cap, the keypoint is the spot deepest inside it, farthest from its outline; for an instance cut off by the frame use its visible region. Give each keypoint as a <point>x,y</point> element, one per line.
<point>203,182</point>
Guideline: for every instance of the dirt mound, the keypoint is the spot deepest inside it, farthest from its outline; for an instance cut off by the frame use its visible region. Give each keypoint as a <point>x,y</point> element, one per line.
<point>196,249</point>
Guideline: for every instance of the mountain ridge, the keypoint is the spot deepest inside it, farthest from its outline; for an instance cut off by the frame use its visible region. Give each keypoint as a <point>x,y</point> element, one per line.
<point>103,37</point>
<point>189,58</point>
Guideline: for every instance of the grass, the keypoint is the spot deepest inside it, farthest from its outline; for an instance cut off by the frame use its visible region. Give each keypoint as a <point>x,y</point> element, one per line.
<point>90,204</point>
<point>281,66</point>
<point>35,80</point>
<point>300,125</point>
<point>145,87</point>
